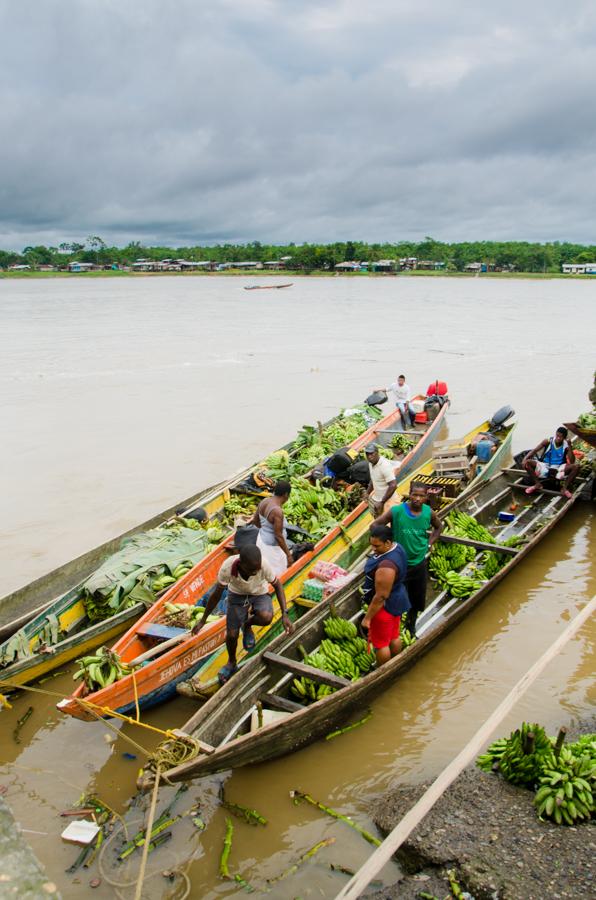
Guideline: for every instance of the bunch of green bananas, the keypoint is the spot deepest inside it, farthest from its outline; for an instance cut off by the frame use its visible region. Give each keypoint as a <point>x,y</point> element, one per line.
<point>340,661</point>
<point>462,525</point>
<point>184,615</point>
<point>489,761</point>
<point>406,638</point>
<point>459,585</point>
<point>305,689</point>
<point>566,793</point>
<point>239,505</point>
<point>355,645</point>
<point>339,629</point>
<point>101,669</point>
<point>519,766</point>
<point>446,558</point>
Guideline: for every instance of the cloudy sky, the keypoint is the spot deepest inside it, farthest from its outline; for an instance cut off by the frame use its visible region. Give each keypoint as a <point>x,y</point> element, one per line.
<point>192,121</point>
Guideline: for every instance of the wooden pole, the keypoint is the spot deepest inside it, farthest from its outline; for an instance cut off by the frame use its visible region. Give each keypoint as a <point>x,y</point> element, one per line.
<point>148,830</point>
<point>354,888</point>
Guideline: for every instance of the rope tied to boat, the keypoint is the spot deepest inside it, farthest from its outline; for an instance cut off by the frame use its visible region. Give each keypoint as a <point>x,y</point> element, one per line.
<point>172,752</point>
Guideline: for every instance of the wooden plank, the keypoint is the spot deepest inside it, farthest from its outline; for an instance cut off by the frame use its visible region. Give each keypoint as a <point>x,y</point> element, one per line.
<point>356,887</point>
<point>204,748</point>
<point>298,668</point>
<point>479,545</point>
<point>281,703</point>
<point>515,471</point>
<point>160,632</point>
<point>446,452</point>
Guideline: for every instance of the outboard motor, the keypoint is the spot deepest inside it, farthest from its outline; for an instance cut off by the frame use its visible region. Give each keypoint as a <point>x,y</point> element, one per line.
<point>377,398</point>
<point>500,417</point>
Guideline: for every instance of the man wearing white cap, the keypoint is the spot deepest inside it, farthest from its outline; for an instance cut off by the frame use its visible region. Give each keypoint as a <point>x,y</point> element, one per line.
<point>383,482</point>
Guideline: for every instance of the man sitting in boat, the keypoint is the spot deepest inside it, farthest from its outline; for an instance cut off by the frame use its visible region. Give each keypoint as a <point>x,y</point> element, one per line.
<point>557,462</point>
<point>403,395</point>
<point>382,479</point>
<point>415,526</point>
<point>247,578</point>
<point>385,593</point>
<point>272,524</point>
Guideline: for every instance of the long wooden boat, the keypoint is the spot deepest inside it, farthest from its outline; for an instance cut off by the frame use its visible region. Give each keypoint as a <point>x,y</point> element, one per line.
<point>255,717</point>
<point>76,636</point>
<point>267,287</point>
<point>430,474</point>
<point>157,679</point>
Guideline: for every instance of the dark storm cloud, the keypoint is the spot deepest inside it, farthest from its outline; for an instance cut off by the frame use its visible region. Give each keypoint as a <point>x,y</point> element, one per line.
<point>296,120</point>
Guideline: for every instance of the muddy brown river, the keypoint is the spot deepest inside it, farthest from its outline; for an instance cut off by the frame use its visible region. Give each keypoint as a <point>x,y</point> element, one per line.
<point>119,397</point>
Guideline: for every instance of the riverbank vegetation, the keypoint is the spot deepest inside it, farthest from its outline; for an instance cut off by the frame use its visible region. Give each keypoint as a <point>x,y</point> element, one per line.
<point>502,257</point>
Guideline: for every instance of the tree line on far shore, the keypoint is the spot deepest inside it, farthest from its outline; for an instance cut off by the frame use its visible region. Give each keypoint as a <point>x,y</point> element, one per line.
<point>522,256</point>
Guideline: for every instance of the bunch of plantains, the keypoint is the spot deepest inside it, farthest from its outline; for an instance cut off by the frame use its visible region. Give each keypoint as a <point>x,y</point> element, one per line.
<point>342,653</point>
<point>184,615</point>
<point>447,560</point>
<point>315,508</point>
<point>314,444</point>
<point>239,505</point>
<point>101,670</point>
<point>564,777</point>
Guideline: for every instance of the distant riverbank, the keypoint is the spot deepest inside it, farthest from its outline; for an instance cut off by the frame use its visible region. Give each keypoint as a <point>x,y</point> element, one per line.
<point>289,273</point>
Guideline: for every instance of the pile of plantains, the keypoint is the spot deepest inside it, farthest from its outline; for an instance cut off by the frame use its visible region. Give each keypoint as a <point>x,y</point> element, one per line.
<point>562,776</point>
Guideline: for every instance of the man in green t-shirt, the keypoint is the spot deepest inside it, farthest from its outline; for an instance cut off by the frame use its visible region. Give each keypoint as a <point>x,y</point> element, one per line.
<point>416,527</point>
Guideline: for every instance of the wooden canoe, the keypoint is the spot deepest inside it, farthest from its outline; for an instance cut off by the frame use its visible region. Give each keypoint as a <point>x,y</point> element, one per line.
<point>267,287</point>
<point>156,680</point>
<point>205,682</point>
<point>228,725</point>
<point>77,636</point>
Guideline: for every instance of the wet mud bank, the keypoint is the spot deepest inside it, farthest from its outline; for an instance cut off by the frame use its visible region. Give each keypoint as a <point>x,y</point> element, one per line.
<point>21,875</point>
<point>487,832</point>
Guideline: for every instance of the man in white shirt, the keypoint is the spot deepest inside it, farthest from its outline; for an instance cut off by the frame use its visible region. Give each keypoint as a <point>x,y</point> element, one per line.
<point>247,578</point>
<point>383,482</point>
<point>403,395</point>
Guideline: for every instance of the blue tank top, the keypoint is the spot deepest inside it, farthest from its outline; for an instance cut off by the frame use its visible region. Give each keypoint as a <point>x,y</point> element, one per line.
<point>397,602</point>
<point>555,456</point>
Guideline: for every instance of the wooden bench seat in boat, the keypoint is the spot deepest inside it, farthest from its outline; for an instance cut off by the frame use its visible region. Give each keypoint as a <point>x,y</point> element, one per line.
<point>159,632</point>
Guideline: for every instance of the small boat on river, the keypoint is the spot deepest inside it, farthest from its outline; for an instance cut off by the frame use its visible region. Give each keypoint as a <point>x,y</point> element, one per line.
<point>256,717</point>
<point>267,287</point>
<point>177,655</point>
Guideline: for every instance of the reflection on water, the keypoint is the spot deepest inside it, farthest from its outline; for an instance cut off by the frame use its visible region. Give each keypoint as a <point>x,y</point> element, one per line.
<point>108,423</point>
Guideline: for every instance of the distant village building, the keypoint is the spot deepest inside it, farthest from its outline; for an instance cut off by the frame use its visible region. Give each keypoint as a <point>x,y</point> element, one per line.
<point>429,265</point>
<point>18,267</point>
<point>408,262</point>
<point>384,265</point>
<point>245,264</point>
<point>473,267</point>
<point>348,266</point>
<point>77,266</point>
<point>579,268</point>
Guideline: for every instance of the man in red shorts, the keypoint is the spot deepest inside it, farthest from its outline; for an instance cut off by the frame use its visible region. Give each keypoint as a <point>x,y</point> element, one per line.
<point>385,593</point>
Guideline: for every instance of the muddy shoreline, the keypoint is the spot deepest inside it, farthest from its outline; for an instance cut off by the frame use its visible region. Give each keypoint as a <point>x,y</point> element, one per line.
<point>487,831</point>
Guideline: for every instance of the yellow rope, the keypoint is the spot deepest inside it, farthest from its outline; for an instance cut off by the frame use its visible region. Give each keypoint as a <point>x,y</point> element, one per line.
<point>148,830</point>
<point>134,685</point>
<point>92,707</point>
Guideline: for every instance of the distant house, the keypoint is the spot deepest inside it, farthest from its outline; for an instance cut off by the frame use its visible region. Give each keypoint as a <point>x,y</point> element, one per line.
<point>473,267</point>
<point>77,266</point>
<point>383,265</point>
<point>245,264</point>
<point>408,262</point>
<point>430,264</point>
<point>46,267</point>
<point>579,268</point>
<point>18,267</point>
<point>348,266</point>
